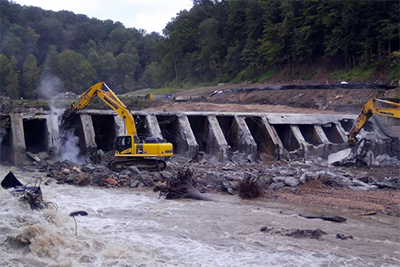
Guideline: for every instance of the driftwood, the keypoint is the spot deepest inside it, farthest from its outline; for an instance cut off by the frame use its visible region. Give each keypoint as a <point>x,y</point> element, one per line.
<point>249,188</point>
<point>297,233</point>
<point>182,187</point>
<point>325,218</point>
<point>312,216</point>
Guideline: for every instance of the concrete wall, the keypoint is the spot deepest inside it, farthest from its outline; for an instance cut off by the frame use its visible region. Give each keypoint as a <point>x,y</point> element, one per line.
<point>284,136</point>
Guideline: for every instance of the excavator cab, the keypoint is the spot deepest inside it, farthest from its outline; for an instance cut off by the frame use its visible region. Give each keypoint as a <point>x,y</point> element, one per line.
<point>123,143</point>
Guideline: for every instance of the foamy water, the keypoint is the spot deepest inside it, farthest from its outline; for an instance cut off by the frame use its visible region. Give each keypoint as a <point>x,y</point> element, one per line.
<point>133,227</point>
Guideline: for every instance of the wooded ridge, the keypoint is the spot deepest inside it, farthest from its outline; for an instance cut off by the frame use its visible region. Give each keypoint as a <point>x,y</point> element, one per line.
<point>214,41</point>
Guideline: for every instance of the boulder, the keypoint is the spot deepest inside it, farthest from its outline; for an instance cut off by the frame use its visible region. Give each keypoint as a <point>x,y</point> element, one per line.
<point>135,183</point>
<point>88,168</point>
<point>133,169</point>
<point>110,181</point>
<point>81,179</point>
<point>276,186</point>
<point>291,181</point>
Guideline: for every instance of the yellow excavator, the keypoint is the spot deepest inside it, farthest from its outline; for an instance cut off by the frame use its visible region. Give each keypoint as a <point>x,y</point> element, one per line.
<point>373,106</point>
<point>359,150</point>
<point>146,154</point>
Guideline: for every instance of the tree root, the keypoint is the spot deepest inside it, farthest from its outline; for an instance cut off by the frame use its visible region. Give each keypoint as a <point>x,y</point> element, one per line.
<point>182,187</point>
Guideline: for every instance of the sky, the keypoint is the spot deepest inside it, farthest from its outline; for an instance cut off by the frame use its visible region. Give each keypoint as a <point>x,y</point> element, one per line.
<point>150,15</point>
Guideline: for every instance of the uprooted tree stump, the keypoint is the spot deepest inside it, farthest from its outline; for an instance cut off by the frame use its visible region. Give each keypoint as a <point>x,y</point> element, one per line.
<point>182,187</point>
<point>250,188</point>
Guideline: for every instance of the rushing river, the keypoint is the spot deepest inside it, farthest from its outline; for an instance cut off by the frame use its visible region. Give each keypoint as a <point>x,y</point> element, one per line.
<point>133,227</point>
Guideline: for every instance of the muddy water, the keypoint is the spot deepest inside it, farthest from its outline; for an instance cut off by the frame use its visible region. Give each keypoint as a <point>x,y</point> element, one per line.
<point>133,227</point>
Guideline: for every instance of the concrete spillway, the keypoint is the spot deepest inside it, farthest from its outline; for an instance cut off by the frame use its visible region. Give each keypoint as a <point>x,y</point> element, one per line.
<point>283,136</point>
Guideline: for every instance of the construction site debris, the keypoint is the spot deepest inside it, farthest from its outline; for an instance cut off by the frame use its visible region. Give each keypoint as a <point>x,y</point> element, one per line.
<point>250,188</point>
<point>181,186</point>
<point>26,194</point>
<point>313,234</point>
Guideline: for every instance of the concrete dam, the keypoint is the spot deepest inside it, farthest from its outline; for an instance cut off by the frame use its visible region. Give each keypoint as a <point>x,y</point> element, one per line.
<point>282,136</point>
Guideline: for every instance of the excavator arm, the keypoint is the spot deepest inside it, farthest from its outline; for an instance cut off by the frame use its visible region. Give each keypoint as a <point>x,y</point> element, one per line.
<point>391,109</point>
<point>102,91</point>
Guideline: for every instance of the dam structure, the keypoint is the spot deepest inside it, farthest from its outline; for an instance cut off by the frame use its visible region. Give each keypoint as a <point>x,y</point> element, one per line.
<point>282,136</point>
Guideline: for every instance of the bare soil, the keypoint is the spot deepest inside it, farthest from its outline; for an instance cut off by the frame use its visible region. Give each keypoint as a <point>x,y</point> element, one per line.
<point>314,101</point>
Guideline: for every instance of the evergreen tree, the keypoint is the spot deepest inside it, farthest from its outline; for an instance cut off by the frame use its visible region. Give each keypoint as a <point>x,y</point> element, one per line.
<point>12,79</point>
<point>30,77</point>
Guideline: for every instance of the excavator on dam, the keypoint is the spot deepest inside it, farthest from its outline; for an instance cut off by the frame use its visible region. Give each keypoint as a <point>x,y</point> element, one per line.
<point>145,154</point>
<point>359,149</point>
<point>392,109</point>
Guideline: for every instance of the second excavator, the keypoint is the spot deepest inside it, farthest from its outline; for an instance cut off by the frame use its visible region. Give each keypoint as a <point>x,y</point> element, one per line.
<point>145,154</point>
<point>373,106</point>
<point>359,150</point>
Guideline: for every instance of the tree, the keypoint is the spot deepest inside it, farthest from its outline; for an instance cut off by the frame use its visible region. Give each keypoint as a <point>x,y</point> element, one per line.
<point>30,77</point>
<point>75,71</point>
<point>108,71</point>
<point>152,76</point>
<point>127,65</point>
<point>12,79</point>
<point>50,65</point>
<point>4,71</point>
<point>118,38</point>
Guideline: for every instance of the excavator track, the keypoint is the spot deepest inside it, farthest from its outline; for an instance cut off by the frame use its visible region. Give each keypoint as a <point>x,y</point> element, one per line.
<point>141,163</point>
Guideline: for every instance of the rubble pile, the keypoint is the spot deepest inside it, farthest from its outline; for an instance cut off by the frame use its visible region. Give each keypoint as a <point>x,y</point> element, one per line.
<point>209,175</point>
<point>271,179</point>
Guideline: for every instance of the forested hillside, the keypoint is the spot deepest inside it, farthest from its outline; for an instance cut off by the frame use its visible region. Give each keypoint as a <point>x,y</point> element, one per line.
<point>215,41</point>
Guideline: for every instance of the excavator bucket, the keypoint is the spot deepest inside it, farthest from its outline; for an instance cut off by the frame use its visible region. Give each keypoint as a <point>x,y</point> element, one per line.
<point>359,154</point>
<point>66,119</point>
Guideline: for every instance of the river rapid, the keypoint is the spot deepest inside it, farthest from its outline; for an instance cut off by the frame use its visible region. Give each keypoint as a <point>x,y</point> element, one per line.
<point>134,227</point>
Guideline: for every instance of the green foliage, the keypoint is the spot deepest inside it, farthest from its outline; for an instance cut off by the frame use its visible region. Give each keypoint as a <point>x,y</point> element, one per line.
<point>394,72</point>
<point>244,75</point>
<point>267,75</point>
<point>362,73</point>
<point>75,71</point>
<point>163,91</point>
<point>394,59</point>
<point>11,80</point>
<point>310,76</point>
<point>30,77</point>
<point>4,71</point>
<point>214,41</point>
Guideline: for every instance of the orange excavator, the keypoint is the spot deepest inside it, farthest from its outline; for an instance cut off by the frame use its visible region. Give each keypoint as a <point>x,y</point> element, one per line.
<point>146,154</point>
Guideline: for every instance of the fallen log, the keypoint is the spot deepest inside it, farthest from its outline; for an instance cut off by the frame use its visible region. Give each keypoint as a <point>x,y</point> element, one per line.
<point>324,217</point>
<point>312,216</point>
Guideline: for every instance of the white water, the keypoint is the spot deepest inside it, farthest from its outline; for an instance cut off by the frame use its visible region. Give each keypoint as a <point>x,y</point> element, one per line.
<point>133,227</point>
